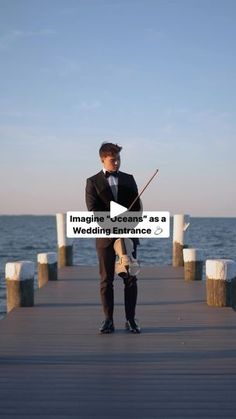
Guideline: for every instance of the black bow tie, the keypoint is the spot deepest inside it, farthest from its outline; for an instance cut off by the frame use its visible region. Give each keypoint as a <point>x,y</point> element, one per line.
<point>107,174</point>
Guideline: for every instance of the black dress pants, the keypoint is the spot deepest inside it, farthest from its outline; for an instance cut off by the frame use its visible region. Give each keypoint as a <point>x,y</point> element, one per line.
<point>107,257</point>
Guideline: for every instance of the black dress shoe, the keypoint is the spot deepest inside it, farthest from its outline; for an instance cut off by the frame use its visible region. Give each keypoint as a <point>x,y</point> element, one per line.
<point>132,326</point>
<point>107,326</point>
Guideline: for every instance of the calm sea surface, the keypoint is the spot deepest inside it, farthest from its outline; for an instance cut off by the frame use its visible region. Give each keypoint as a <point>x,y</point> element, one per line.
<point>22,237</point>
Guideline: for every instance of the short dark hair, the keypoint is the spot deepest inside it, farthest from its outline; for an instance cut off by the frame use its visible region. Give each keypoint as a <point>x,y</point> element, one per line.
<point>109,149</point>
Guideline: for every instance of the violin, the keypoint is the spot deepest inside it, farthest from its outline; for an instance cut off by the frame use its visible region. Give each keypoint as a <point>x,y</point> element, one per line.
<point>127,266</point>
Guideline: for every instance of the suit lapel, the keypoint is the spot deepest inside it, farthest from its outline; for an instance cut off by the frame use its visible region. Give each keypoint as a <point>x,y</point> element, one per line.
<point>121,184</point>
<point>104,187</point>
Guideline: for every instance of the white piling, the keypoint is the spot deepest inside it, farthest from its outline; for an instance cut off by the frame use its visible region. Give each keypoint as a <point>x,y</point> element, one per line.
<point>193,264</point>
<point>47,268</point>
<point>65,248</point>
<point>20,284</point>
<point>220,282</point>
<point>180,225</point>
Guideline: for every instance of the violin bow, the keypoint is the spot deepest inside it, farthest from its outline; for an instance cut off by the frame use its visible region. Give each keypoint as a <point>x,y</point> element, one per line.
<point>138,196</point>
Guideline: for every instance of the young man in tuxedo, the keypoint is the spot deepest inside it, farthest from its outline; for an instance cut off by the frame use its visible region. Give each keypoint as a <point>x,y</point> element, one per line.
<point>110,184</point>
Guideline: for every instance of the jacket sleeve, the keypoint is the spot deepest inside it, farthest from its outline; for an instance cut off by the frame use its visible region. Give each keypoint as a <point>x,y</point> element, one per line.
<point>138,204</point>
<point>90,195</point>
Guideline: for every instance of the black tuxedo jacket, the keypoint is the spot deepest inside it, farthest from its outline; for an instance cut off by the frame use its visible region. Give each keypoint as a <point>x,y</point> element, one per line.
<point>98,196</point>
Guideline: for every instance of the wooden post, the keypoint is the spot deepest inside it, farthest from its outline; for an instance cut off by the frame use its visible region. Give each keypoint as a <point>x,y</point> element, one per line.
<point>65,250</point>
<point>20,284</point>
<point>180,225</point>
<point>47,268</point>
<point>220,282</point>
<point>193,264</point>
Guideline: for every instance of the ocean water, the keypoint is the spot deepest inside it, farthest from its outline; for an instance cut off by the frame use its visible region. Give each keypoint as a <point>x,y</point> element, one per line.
<point>23,237</point>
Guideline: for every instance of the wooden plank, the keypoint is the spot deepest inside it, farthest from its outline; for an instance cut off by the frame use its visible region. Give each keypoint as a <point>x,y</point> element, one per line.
<point>54,363</point>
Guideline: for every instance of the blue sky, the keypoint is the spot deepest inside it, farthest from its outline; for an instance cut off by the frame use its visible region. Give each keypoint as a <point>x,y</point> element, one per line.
<point>155,76</point>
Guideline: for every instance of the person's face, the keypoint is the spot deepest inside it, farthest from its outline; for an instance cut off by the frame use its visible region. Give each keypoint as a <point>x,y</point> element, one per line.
<point>111,163</point>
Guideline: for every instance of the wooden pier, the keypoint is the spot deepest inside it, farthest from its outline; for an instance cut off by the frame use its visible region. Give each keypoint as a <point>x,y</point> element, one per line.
<point>55,364</point>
